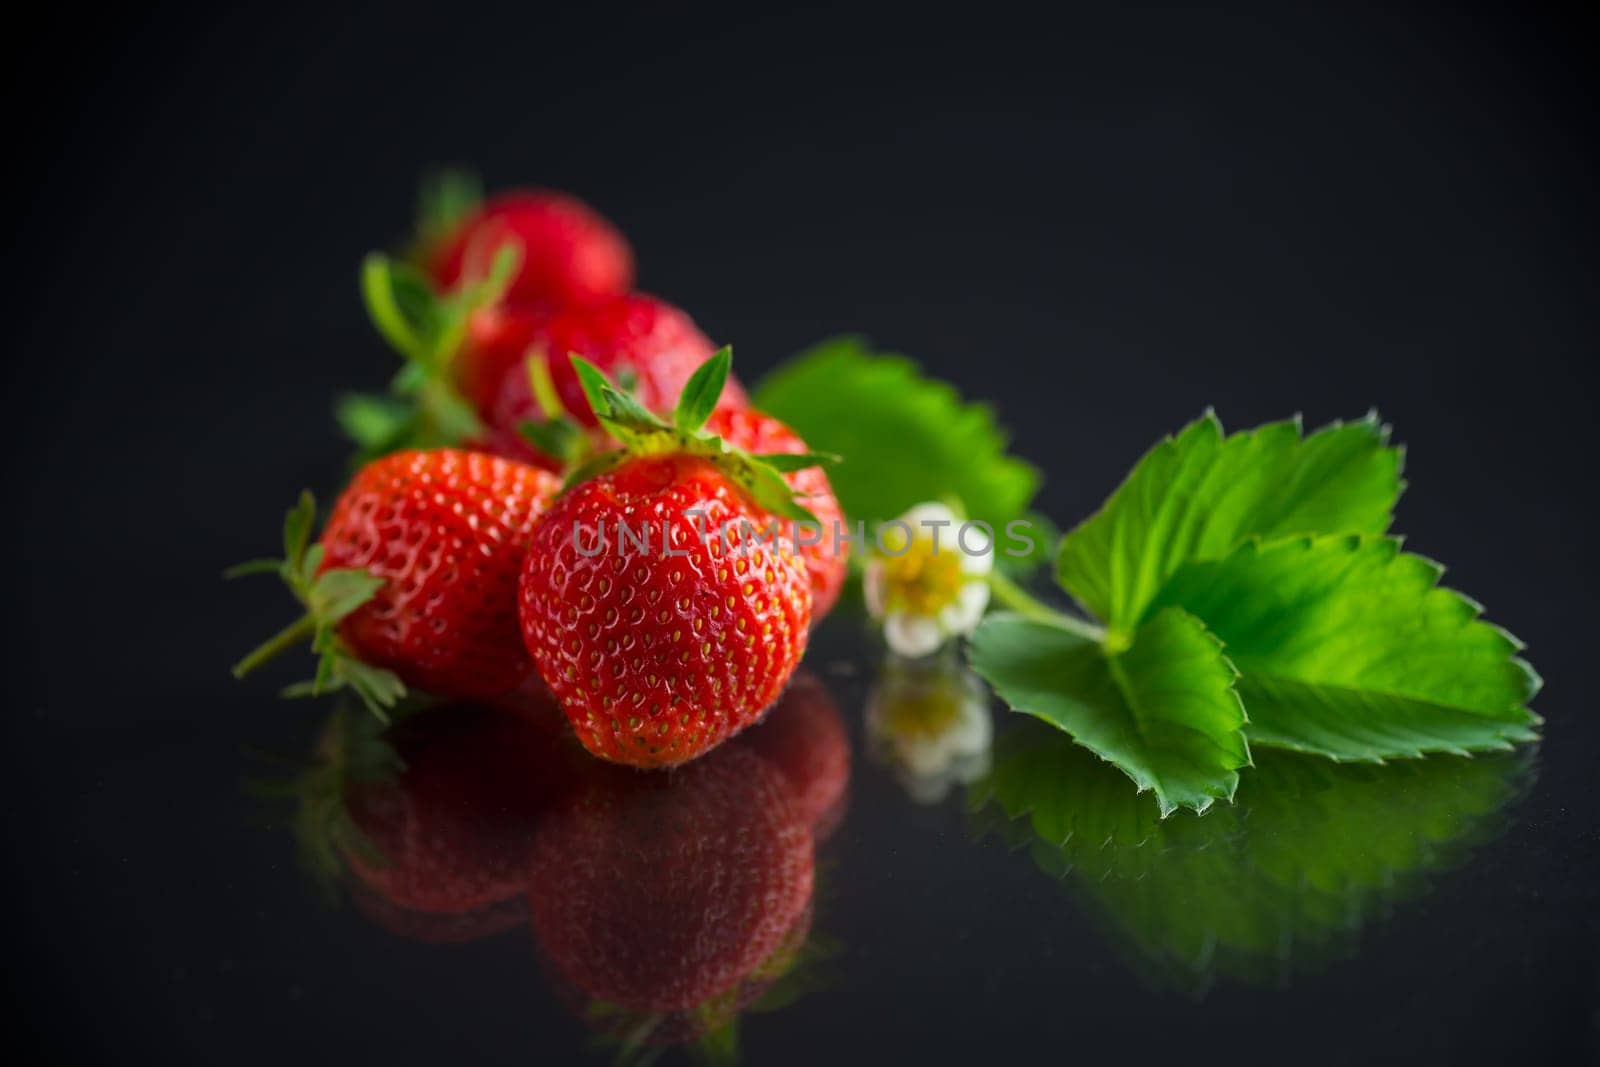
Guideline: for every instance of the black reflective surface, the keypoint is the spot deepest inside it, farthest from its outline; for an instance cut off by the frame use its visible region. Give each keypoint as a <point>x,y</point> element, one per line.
<point>1101,228</point>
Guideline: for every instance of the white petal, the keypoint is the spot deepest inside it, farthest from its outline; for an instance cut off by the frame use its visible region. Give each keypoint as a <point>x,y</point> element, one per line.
<point>962,616</point>
<point>912,635</point>
<point>932,513</point>
<point>872,583</point>
<point>977,553</point>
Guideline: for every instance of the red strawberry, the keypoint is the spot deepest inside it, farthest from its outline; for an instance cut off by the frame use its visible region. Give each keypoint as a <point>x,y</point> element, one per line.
<point>659,893</point>
<point>416,574</point>
<point>663,599</point>
<point>638,339</point>
<point>569,253</point>
<point>825,556</point>
<point>656,659</point>
<point>805,738</point>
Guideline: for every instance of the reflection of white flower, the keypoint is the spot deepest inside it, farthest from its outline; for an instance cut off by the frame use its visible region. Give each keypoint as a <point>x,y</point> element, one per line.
<point>929,720</point>
<point>927,578</point>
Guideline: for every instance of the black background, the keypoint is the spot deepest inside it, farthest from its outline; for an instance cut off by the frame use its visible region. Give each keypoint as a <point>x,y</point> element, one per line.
<point>1101,223</point>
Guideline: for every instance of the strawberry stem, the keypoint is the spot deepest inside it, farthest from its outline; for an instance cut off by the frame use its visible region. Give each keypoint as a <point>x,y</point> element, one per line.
<point>293,634</point>
<point>1029,606</point>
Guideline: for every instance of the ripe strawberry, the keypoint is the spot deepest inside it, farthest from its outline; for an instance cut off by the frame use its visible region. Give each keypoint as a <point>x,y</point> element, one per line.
<point>414,579</point>
<point>637,339</point>
<point>656,659</point>
<point>659,653</point>
<point>659,893</point>
<point>805,738</point>
<point>825,555</point>
<point>569,253</point>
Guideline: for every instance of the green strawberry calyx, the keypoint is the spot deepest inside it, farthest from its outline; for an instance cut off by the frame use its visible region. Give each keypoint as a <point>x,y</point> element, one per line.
<point>641,432</point>
<point>327,598</point>
<point>422,407</point>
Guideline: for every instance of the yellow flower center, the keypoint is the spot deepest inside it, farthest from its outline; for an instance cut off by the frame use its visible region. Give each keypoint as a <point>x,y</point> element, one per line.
<point>920,580</point>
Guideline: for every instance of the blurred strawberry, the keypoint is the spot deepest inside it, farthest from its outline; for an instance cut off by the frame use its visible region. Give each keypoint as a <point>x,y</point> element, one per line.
<point>646,345</point>
<point>568,253</point>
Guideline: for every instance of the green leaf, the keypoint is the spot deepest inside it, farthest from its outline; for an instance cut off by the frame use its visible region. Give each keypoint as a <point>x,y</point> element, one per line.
<point>628,417</point>
<point>1281,881</point>
<point>337,593</point>
<point>594,383</point>
<point>789,462</point>
<point>375,421</point>
<point>1349,648</point>
<point>444,201</point>
<point>254,566</point>
<point>1163,711</point>
<point>400,304</point>
<point>297,528</point>
<point>1200,495</point>
<point>702,391</point>
<point>560,437</point>
<point>906,438</point>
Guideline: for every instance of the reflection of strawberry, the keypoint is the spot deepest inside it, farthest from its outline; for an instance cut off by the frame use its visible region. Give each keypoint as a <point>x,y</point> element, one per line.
<point>657,893</point>
<point>569,253</point>
<point>805,738</point>
<point>439,928</point>
<point>761,434</point>
<point>451,831</point>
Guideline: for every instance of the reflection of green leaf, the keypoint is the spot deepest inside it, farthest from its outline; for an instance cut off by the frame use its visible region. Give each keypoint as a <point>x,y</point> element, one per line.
<point>1199,495</point>
<point>1281,881</point>
<point>1163,711</point>
<point>1348,648</point>
<point>904,438</point>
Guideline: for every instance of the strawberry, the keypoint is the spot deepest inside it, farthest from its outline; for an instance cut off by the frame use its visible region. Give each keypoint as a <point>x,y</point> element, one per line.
<point>805,738</point>
<point>568,253</point>
<point>640,340</point>
<point>414,579</point>
<point>471,362</point>
<point>661,645</point>
<point>825,555</point>
<point>660,893</point>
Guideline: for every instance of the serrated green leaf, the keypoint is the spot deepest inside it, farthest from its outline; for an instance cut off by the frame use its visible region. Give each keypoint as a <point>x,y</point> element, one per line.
<point>1349,648</point>
<point>702,391</point>
<point>1163,711</point>
<point>1280,881</point>
<point>1200,495</point>
<point>905,438</point>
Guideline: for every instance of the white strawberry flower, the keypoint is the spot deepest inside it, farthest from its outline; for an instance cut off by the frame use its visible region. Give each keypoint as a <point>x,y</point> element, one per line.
<point>929,721</point>
<point>927,578</point>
